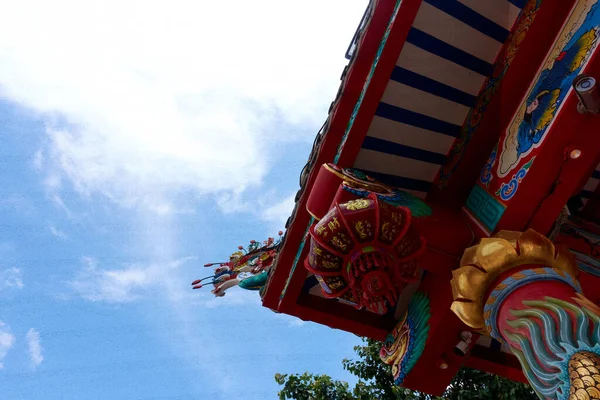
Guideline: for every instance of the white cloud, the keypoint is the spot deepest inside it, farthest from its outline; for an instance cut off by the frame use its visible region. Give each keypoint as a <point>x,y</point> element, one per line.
<point>137,282</point>
<point>121,285</point>
<point>11,278</point>
<point>59,202</point>
<point>57,232</point>
<point>7,340</point>
<point>35,348</point>
<point>279,213</point>
<point>143,102</point>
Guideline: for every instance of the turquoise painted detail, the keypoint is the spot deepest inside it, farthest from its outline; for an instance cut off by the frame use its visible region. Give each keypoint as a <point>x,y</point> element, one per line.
<point>545,351</point>
<point>411,331</point>
<point>368,80</point>
<point>484,207</point>
<point>255,282</point>
<point>516,281</point>
<point>418,320</point>
<point>297,258</point>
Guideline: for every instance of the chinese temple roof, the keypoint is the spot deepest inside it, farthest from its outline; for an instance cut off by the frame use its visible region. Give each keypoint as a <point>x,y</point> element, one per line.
<point>444,103</point>
<point>432,89</point>
<point>397,114</point>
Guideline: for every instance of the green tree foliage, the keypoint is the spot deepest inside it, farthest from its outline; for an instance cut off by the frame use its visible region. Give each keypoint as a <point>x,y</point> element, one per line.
<point>375,382</point>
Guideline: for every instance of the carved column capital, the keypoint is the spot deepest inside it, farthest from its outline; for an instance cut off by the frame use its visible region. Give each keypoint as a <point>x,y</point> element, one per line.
<point>485,272</point>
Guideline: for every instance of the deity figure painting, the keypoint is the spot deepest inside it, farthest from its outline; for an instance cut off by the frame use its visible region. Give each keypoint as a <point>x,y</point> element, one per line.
<point>528,129</point>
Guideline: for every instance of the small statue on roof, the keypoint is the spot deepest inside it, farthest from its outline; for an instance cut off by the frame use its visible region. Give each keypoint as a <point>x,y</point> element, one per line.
<point>247,269</point>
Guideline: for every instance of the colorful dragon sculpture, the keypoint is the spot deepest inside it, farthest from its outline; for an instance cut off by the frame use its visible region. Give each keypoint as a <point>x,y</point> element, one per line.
<point>247,269</point>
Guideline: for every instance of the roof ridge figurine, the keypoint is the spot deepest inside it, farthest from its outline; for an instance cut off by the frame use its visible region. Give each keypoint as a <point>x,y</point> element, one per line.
<point>247,269</point>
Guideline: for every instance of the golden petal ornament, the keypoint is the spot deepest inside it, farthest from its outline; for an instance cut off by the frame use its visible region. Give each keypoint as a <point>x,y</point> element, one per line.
<point>536,247</point>
<point>493,254</point>
<point>481,265</point>
<point>510,236</point>
<point>465,282</point>
<point>469,256</point>
<point>471,313</point>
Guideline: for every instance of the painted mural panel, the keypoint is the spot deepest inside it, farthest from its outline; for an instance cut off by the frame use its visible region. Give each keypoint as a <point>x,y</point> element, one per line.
<point>572,50</point>
<point>518,147</point>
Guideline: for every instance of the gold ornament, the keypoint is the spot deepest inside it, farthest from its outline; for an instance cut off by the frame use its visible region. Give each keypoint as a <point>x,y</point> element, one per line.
<point>584,376</point>
<point>359,204</point>
<point>481,266</point>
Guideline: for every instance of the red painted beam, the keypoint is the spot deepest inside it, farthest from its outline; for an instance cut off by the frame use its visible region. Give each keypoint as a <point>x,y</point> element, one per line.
<point>495,362</point>
<point>444,332</point>
<point>554,177</point>
<point>387,61</point>
<point>344,317</point>
<point>339,117</point>
<point>539,38</point>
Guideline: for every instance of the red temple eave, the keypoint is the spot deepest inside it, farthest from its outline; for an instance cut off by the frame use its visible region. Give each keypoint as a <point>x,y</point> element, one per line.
<point>437,103</point>
<point>341,113</point>
<point>422,220</point>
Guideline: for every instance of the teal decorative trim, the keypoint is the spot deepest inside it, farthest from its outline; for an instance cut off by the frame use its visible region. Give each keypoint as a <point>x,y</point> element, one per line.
<point>368,80</point>
<point>414,329</point>
<point>552,334</point>
<point>255,282</point>
<point>513,282</point>
<point>484,207</point>
<point>297,258</point>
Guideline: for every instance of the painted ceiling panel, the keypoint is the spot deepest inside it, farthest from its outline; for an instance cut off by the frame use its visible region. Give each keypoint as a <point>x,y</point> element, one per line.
<point>449,52</point>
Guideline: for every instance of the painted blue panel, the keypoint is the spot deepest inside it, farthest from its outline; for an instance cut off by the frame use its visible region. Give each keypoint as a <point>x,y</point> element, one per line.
<point>471,18</point>
<point>415,119</point>
<point>400,182</point>
<point>429,85</point>
<point>450,53</point>
<point>596,174</point>
<point>397,149</point>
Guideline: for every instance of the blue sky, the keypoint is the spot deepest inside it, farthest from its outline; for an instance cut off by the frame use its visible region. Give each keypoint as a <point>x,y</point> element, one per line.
<point>139,142</point>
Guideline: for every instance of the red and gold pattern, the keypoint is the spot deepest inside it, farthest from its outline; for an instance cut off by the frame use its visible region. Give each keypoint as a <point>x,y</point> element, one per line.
<point>329,185</point>
<point>363,252</point>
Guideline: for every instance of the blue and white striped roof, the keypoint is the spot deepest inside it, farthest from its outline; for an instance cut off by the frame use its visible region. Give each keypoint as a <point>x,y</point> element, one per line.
<point>449,52</point>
